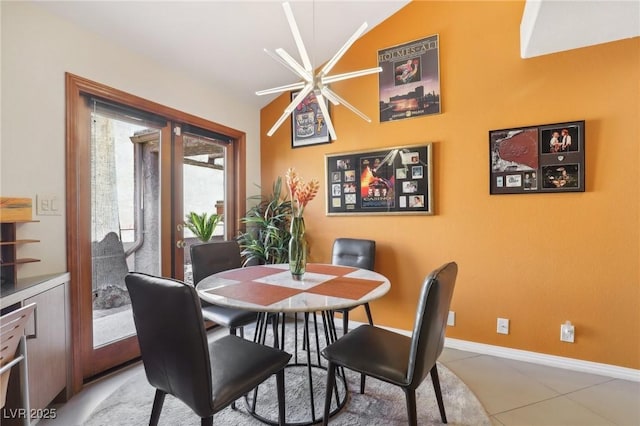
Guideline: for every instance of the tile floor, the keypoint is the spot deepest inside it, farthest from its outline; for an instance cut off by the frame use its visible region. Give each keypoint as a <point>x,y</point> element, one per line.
<point>512,392</point>
<point>526,394</point>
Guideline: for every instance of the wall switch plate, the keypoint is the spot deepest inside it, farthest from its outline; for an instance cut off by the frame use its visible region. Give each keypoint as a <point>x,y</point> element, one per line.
<point>451,319</point>
<point>48,205</point>
<point>567,332</point>
<point>503,326</point>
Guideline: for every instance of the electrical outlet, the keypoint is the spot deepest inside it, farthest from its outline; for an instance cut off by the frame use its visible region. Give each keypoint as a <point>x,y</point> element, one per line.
<point>567,332</point>
<point>451,319</point>
<point>503,326</point>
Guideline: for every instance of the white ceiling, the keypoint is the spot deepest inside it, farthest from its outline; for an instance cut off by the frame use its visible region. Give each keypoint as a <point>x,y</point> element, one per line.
<point>221,42</point>
<point>550,26</point>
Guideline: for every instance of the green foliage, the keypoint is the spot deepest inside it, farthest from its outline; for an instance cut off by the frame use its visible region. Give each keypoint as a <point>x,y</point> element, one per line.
<point>266,240</point>
<point>202,225</point>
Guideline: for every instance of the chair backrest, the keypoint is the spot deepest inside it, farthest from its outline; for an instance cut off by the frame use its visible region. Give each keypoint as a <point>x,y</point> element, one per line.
<point>354,252</point>
<point>11,332</point>
<point>430,324</point>
<point>173,343</point>
<point>213,257</point>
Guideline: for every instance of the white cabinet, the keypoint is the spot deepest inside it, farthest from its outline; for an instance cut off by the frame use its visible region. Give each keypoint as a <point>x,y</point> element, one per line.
<point>47,342</point>
<point>47,352</point>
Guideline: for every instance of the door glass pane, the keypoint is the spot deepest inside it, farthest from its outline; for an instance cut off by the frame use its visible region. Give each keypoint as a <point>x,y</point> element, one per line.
<point>204,191</point>
<point>125,216</point>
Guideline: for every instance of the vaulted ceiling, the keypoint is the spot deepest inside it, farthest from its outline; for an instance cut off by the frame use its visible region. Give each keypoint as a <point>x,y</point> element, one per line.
<point>222,42</point>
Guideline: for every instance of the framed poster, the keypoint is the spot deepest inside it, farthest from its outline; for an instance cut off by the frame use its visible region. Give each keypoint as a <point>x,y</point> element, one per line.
<point>545,158</point>
<point>307,122</point>
<point>384,181</point>
<point>410,80</point>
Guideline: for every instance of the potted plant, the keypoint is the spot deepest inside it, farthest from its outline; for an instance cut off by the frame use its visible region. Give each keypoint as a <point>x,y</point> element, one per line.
<point>266,239</point>
<point>202,225</point>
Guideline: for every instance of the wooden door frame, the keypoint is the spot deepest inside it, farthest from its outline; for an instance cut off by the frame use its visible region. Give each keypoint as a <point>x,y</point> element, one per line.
<point>78,203</point>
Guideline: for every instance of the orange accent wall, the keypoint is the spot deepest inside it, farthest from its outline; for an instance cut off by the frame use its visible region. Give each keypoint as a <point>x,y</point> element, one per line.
<point>536,259</point>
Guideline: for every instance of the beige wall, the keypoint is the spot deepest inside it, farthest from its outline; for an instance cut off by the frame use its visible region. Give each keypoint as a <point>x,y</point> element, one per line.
<point>37,49</point>
<point>536,259</point>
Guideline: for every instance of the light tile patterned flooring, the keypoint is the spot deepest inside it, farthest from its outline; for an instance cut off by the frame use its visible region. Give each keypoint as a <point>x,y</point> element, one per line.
<point>513,393</point>
<point>525,394</point>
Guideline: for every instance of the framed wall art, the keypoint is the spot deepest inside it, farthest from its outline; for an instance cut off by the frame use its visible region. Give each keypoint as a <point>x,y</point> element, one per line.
<point>536,159</point>
<point>384,181</point>
<point>308,124</point>
<point>409,82</point>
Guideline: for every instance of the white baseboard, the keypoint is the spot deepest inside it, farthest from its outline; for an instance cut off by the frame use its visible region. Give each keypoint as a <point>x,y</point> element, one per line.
<point>536,357</point>
<point>545,359</point>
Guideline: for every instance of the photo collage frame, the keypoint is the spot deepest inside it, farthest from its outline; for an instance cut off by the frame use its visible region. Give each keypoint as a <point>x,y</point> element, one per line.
<point>387,181</point>
<point>537,159</point>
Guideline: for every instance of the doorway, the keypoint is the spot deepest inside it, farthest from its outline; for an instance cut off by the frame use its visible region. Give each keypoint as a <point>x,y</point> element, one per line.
<point>134,169</point>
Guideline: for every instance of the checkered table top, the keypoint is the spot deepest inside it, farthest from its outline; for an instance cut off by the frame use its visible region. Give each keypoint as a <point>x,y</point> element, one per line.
<point>270,288</point>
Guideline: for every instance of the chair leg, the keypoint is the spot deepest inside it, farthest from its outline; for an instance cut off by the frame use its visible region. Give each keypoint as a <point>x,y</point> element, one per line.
<point>331,381</point>
<point>368,310</point>
<point>281,400</point>
<point>157,407</point>
<point>233,331</point>
<point>370,318</point>
<point>412,416</point>
<point>436,387</point>
<point>345,321</point>
<point>274,323</point>
<point>206,421</point>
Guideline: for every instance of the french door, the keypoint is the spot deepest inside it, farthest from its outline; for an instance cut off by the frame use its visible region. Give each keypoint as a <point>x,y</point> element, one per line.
<point>135,169</point>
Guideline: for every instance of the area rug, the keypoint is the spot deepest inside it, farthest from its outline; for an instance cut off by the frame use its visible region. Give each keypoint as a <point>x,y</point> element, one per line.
<point>381,404</point>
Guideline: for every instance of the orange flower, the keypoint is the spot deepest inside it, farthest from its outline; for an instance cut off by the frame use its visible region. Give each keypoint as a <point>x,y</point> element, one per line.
<point>292,181</point>
<point>301,192</point>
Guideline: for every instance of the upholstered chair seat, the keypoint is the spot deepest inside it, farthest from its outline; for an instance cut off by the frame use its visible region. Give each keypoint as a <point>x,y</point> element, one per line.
<point>397,359</point>
<point>178,359</point>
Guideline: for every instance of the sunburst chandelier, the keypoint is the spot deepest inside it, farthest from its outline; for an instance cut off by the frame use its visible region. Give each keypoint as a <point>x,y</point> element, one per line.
<point>316,83</point>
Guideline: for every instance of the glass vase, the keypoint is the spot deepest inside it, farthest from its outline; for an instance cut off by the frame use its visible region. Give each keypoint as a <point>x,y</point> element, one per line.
<point>297,249</point>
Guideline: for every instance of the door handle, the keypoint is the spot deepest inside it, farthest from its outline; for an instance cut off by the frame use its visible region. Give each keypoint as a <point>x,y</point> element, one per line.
<point>180,244</point>
<point>179,227</point>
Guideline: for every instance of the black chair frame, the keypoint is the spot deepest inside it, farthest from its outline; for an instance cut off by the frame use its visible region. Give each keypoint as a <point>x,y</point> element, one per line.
<point>397,359</point>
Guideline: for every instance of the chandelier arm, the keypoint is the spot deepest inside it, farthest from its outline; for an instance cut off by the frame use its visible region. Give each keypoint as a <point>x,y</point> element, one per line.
<point>318,82</point>
<point>329,65</point>
<point>327,117</point>
<point>339,77</point>
<point>330,93</point>
<point>296,36</point>
<point>282,62</point>
<point>306,76</point>
<point>288,87</point>
<point>289,109</point>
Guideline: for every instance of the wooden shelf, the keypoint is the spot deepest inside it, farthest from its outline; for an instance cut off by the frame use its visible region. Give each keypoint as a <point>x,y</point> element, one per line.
<point>19,221</point>
<point>10,243</point>
<point>20,261</point>
<point>9,260</point>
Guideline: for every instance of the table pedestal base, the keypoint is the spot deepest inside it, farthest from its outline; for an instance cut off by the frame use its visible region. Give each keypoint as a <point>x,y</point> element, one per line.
<point>305,377</point>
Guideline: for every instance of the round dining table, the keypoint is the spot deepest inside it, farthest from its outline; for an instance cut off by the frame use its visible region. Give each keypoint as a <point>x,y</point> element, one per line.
<point>270,289</point>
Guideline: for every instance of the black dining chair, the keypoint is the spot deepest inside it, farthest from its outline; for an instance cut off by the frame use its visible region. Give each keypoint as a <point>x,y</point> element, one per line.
<point>358,253</point>
<point>397,359</point>
<point>211,258</point>
<point>178,360</point>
